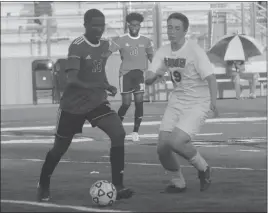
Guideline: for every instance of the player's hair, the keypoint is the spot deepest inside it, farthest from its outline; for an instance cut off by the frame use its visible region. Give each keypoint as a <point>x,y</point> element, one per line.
<point>181,17</point>
<point>91,14</point>
<point>134,17</point>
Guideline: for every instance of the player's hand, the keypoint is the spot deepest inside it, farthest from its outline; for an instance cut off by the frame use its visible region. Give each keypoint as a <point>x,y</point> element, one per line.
<point>214,109</point>
<point>112,90</point>
<point>150,77</point>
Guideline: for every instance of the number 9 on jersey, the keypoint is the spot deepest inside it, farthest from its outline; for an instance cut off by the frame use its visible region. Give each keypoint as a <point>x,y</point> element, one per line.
<point>175,76</point>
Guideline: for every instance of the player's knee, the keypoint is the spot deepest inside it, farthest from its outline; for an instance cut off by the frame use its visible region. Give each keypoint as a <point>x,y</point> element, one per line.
<point>118,137</point>
<point>179,138</point>
<point>163,150</point>
<point>138,109</point>
<point>123,109</point>
<point>61,145</point>
<point>163,147</point>
<point>126,99</point>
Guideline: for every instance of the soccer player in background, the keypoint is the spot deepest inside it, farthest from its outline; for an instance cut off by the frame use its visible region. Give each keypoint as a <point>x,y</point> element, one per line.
<point>85,98</point>
<point>194,95</point>
<point>135,50</point>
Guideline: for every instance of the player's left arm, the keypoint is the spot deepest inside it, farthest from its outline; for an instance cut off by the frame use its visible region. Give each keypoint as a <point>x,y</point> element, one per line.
<point>205,69</point>
<point>108,86</point>
<point>157,68</point>
<point>150,50</point>
<point>112,89</point>
<point>114,45</point>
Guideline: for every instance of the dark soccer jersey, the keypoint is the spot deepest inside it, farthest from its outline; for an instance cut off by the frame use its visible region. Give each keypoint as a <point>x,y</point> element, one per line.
<point>86,58</point>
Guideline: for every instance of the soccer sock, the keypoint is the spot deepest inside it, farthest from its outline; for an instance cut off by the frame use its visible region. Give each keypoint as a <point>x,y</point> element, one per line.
<point>177,174</point>
<point>53,158</point>
<point>117,158</point>
<point>122,111</point>
<point>178,179</point>
<point>137,123</point>
<point>199,162</point>
<point>138,116</point>
<point>48,167</point>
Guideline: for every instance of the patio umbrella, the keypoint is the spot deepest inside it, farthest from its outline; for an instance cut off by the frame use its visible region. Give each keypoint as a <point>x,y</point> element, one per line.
<point>236,47</point>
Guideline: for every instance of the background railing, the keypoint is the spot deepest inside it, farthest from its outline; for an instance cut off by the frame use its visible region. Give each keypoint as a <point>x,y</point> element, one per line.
<point>57,23</point>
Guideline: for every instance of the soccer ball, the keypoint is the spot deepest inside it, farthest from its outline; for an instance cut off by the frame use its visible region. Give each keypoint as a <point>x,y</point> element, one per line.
<point>103,193</point>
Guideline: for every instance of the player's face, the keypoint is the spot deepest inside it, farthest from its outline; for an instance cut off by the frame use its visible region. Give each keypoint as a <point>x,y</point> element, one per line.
<point>134,28</point>
<point>175,30</point>
<point>95,28</point>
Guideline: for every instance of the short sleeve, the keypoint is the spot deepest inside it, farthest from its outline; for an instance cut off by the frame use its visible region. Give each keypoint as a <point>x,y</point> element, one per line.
<point>158,65</point>
<point>115,44</point>
<point>74,57</point>
<point>202,62</point>
<point>150,47</point>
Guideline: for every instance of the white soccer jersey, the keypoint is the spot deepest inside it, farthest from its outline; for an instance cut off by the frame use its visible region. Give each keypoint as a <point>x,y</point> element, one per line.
<point>188,68</point>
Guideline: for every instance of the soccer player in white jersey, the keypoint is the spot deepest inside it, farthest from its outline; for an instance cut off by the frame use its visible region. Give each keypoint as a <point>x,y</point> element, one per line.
<point>135,50</point>
<point>193,97</point>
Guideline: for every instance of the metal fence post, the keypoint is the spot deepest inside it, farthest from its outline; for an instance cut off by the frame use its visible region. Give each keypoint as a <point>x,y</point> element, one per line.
<point>48,40</point>
<point>157,25</point>
<point>210,30</point>
<point>243,17</point>
<point>125,12</point>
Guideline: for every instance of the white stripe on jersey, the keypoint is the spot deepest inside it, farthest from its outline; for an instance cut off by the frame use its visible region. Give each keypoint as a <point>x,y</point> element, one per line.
<point>115,43</point>
<point>73,56</point>
<point>78,40</point>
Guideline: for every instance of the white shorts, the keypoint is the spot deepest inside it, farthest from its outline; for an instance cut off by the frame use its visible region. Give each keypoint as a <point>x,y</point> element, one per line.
<point>189,119</point>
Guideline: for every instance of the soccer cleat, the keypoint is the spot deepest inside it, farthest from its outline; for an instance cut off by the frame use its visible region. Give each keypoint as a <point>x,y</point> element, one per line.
<point>204,177</point>
<point>171,188</point>
<point>124,193</point>
<point>43,194</point>
<point>135,137</point>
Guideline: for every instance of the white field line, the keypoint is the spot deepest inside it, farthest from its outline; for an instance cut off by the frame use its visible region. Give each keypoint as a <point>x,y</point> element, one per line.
<point>50,140</point>
<point>51,205</point>
<point>42,141</point>
<point>144,123</point>
<point>135,163</point>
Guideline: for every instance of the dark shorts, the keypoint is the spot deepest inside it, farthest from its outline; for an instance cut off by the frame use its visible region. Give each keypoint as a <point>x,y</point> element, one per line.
<point>69,124</point>
<point>133,81</point>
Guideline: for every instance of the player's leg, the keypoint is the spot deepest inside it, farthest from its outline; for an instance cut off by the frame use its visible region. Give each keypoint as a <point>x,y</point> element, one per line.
<point>189,124</point>
<point>67,126</point>
<point>126,93</point>
<point>167,157</point>
<point>109,122</point>
<point>138,99</point>
<point>126,102</point>
<point>138,85</point>
<point>253,84</point>
<point>236,81</point>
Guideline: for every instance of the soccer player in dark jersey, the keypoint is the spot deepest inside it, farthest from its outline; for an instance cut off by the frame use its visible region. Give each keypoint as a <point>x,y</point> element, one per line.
<point>135,50</point>
<point>85,98</point>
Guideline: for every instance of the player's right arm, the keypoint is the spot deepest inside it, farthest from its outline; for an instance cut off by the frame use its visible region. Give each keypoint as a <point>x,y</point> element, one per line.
<point>157,68</point>
<point>73,66</point>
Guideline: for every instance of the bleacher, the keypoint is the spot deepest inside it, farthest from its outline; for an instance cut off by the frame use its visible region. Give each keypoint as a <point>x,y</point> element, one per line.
<point>68,18</point>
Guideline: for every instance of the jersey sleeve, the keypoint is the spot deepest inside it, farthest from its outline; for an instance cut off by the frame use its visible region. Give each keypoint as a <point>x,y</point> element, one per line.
<point>202,63</point>
<point>115,44</point>
<point>149,47</point>
<point>74,57</point>
<point>158,65</point>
